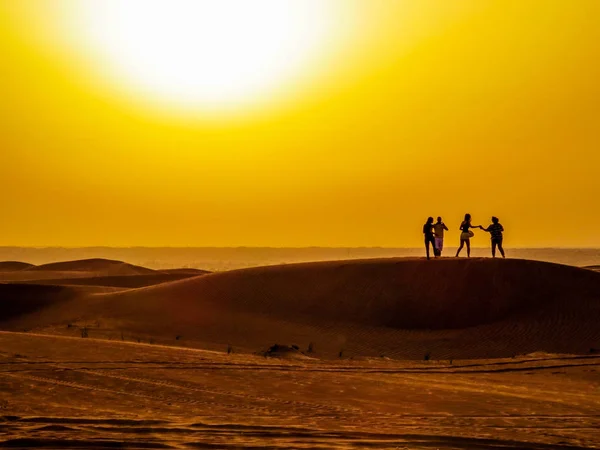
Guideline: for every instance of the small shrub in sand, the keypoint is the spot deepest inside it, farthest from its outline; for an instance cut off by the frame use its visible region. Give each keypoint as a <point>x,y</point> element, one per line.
<point>311,347</point>
<point>427,356</point>
<point>229,349</point>
<point>84,332</point>
<point>282,351</point>
<point>341,354</point>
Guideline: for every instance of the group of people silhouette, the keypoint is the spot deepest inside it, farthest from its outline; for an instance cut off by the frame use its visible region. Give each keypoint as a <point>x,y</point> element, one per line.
<point>434,235</point>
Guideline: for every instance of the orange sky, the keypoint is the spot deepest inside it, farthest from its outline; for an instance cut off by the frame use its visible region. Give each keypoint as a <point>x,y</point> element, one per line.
<point>430,107</point>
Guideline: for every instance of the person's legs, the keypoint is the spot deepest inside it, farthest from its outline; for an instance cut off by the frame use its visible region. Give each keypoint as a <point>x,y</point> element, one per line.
<point>468,241</point>
<point>433,246</point>
<point>494,243</point>
<point>500,248</point>
<point>462,243</point>
<point>439,245</point>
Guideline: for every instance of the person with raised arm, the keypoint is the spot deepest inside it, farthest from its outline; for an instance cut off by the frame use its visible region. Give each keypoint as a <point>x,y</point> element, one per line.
<point>438,230</point>
<point>466,234</point>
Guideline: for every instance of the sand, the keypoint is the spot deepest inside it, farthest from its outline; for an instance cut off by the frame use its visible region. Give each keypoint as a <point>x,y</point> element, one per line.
<point>406,353</point>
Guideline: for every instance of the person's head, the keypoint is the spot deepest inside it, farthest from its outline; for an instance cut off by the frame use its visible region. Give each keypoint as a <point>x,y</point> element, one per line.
<point>495,219</point>
<point>430,220</point>
<point>439,220</point>
<point>467,217</point>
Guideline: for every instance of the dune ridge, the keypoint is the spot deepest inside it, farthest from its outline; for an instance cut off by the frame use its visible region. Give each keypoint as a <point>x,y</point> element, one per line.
<point>469,308</point>
<point>103,270</point>
<point>99,265</point>
<point>14,266</point>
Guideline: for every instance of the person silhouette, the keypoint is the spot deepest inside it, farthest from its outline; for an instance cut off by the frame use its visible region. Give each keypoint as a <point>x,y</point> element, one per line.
<point>428,232</point>
<point>495,230</point>
<point>438,230</point>
<point>466,235</point>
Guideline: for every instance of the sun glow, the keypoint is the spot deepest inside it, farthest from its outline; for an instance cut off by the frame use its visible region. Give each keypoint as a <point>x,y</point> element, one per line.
<point>206,55</point>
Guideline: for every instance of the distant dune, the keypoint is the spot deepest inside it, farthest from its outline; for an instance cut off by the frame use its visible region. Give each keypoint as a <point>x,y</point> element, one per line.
<point>85,268</point>
<point>14,266</point>
<point>97,265</point>
<point>450,308</point>
<point>186,271</point>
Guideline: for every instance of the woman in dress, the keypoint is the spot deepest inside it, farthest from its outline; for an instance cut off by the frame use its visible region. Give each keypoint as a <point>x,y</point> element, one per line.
<point>466,234</point>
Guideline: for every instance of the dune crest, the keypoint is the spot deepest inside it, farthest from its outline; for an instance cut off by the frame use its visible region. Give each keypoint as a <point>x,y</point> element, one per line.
<point>14,266</point>
<point>104,266</point>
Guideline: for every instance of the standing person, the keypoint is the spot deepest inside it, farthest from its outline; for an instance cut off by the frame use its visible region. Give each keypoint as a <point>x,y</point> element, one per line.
<point>466,234</point>
<point>438,230</point>
<point>428,232</point>
<point>495,230</point>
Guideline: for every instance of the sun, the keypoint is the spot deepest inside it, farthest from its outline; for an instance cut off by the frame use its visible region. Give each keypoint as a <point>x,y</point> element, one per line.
<point>207,55</point>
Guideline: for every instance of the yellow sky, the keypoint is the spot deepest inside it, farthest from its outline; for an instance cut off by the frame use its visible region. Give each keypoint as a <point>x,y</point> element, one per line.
<point>430,107</point>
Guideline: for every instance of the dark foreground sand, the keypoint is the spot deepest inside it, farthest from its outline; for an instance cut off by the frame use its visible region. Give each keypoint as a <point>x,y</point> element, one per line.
<point>514,350</point>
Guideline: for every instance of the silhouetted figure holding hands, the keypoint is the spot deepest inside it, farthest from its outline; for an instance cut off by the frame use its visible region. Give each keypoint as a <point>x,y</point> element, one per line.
<point>466,235</point>
<point>496,229</point>
<point>438,230</point>
<point>428,232</point>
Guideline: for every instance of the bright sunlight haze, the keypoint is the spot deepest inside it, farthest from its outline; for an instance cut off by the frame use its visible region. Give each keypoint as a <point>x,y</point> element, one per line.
<point>203,54</point>
<point>298,123</point>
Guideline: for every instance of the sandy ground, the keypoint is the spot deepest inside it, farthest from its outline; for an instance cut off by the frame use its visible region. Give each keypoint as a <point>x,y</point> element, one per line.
<point>514,352</point>
<point>70,392</point>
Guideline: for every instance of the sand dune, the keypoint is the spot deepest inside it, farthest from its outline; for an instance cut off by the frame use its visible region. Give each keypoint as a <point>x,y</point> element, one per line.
<point>18,300</point>
<point>70,391</point>
<point>450,308</point>
<point>186,271</point>
<point>96,265</point>
<point>64,270</point>
<point>14,266</point>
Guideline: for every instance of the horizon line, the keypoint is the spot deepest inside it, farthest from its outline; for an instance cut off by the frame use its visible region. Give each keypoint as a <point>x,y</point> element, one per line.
<point>375,247</point>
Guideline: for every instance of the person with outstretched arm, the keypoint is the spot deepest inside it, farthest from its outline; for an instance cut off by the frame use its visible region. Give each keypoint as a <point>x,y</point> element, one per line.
<point>428,233</point>
<point>495,230</point>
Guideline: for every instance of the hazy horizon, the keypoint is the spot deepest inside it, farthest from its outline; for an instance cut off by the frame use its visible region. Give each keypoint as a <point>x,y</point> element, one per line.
<point>227,258</point>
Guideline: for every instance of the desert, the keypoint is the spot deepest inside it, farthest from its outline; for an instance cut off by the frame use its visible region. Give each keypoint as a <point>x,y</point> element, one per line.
<point>300,224</point>
<point>377,353</point>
